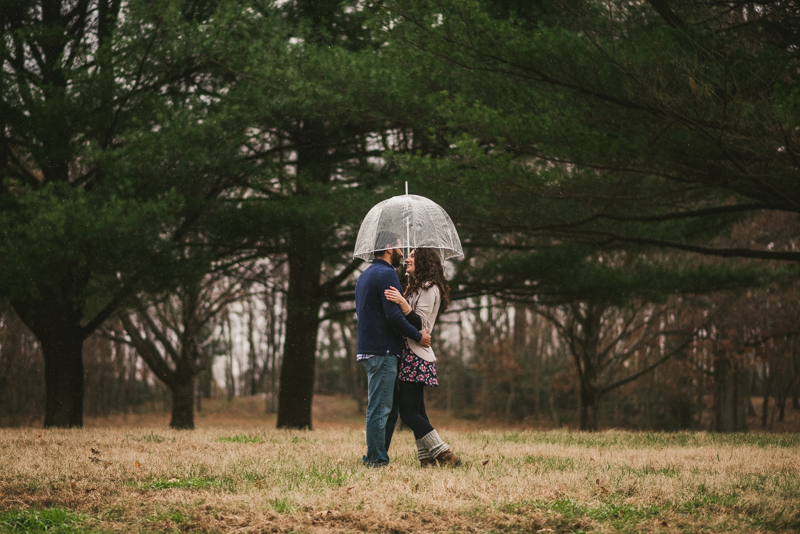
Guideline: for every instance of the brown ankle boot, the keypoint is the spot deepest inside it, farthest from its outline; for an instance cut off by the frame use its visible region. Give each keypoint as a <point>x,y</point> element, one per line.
<point>448,459</point>
<point>428,462</point>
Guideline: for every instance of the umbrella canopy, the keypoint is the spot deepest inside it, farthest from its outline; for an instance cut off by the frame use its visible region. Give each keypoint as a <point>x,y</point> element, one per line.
<point>417,221</point>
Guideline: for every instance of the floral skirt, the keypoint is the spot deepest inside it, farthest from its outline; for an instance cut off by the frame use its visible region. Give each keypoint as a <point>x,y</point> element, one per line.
<point>415,369</point>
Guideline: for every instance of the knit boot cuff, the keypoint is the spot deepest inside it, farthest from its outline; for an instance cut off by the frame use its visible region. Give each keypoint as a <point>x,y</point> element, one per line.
<point>433,444</point>
<point>423,453</point>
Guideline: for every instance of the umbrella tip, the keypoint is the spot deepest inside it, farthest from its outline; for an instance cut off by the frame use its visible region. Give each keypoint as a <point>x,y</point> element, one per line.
<point>406,188</point>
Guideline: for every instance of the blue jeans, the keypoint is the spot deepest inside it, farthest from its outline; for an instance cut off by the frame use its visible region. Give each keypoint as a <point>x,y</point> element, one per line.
<point>381,407</point>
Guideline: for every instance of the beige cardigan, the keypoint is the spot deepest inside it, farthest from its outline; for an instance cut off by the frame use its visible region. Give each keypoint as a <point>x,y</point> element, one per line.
<point>425,302</point>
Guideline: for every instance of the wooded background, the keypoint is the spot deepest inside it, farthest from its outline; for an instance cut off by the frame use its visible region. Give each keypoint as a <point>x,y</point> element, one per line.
<point>181,184</point>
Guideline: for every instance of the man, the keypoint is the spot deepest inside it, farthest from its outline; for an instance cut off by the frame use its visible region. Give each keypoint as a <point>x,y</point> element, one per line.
<point>381,329</point>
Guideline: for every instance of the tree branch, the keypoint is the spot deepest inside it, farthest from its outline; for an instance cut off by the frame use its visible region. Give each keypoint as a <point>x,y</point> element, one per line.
<point>148,351</point>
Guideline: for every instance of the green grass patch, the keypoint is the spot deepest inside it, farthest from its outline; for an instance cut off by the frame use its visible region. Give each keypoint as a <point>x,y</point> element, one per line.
<point>704,498</point>
<point>314,476</point>
<point>780,522</point>
<point>152,437</point>
<point>648,470</point>
<point>644,440</point>
<point>551,463</point>
<point>114,513</point>
<point>783,483</point>
<point>569,511</point>
<point>621,515</point>
<point>175,517</point>
<point>241,438</point>
<point>181,483</point>
<point>282,506</point>
<point>51,520</point>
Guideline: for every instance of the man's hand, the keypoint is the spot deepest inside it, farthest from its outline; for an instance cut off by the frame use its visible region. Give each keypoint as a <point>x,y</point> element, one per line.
<point>426,339</point>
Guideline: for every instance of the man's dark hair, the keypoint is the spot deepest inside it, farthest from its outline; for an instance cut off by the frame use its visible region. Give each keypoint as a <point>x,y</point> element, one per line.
<point>385,240</point>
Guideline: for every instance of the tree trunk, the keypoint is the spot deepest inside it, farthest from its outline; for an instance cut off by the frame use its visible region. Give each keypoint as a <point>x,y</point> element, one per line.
<point>199,394</point>
<point>751,411</point>
<point>730,385</point>
<point>61,337</point>
<point>551,403</point>
<point>587,360</point>
<point>230,384</point>
<point>302,321</point>
<point>783,394</point>
<point>590,398</point>
<point>63,375</point>
<point>767,393</point>
<point>303,297</point>
<point>182,401</point>
<point>536,373</point>
<point>253,355</point>
<point>354,378</point>
<point>796,388</point>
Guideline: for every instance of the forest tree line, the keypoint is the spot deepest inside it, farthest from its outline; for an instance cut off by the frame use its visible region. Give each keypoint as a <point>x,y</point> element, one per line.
<point>509,361</point>
<point>623,178</point>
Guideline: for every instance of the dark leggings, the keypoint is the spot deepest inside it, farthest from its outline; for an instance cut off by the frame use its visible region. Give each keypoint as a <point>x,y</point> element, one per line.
<point>412,408</point>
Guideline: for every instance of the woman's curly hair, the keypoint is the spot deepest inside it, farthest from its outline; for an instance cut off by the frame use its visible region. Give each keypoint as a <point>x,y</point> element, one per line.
<point>428,270</point>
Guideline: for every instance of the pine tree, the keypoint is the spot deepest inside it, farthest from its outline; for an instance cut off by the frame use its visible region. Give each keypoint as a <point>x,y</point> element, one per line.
<point>112,152</point>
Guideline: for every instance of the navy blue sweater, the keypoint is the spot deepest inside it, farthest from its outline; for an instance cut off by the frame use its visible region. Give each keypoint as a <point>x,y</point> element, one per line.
<point>381,324</point>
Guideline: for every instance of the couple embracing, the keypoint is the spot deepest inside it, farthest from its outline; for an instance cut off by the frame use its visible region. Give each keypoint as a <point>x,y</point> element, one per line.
<point>394,346</point>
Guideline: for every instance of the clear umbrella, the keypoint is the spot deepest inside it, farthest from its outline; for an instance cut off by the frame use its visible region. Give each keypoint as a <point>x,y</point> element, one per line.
<point>418,222</point>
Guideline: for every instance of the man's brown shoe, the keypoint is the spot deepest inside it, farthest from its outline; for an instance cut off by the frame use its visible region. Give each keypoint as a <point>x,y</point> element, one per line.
<point>428,462</point>
<point>448,459</point>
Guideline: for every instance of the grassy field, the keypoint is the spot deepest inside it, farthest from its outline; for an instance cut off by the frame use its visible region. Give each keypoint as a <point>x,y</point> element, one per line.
<point>253,478</point>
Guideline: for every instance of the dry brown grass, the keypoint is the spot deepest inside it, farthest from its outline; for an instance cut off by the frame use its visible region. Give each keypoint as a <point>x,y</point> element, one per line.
<point>329,411</point>
<point>136,479</point>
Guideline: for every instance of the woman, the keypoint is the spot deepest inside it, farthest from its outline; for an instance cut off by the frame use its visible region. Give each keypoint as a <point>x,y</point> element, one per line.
<point>427,295</point>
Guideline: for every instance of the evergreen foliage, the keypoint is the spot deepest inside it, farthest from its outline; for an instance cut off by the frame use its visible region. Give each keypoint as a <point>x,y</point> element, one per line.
<point>614,125</point>
<point>112,151</point>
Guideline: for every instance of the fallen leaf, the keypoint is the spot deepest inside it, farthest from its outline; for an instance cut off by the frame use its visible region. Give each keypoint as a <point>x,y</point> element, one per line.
<point>73,484</point>
<point>106,464</point>
<point>137,464</point>
<point>348,489</point>
<point>405,480</point>
<point>259,484</point>
<point>664,524</point>
<point>325,514</point>
<point>485,462</point>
